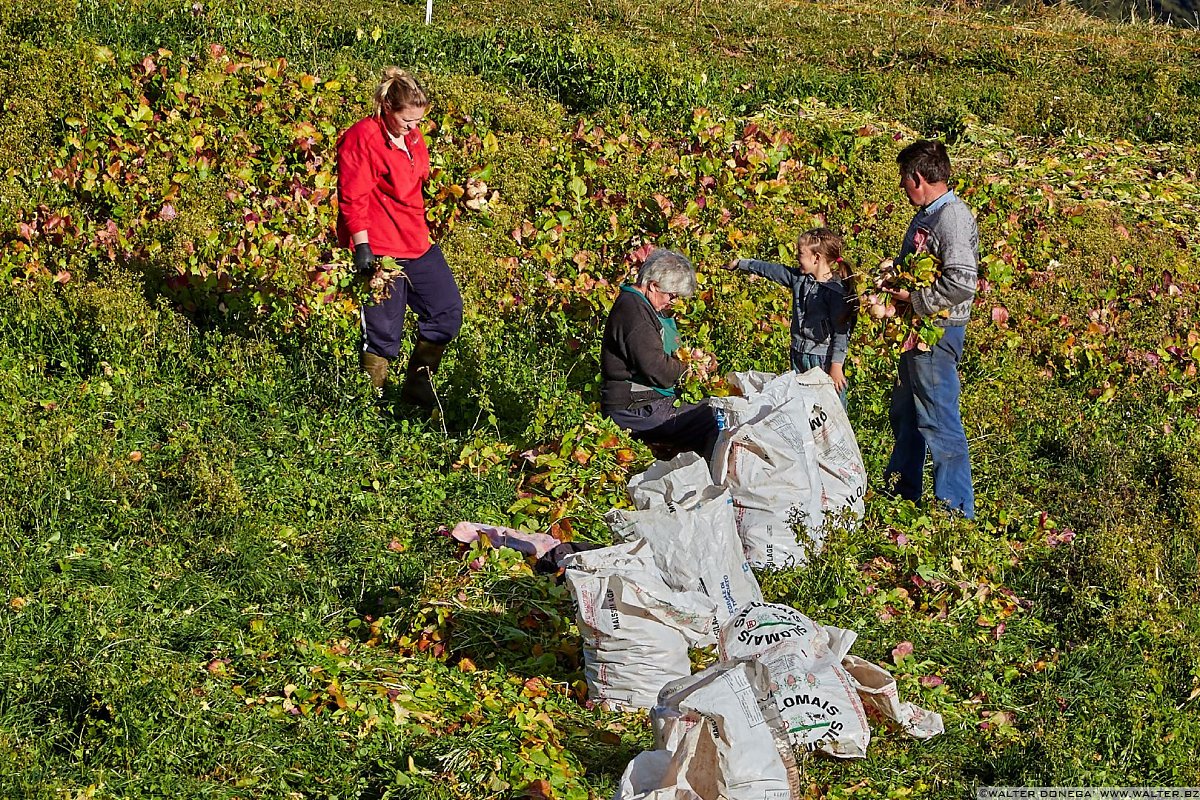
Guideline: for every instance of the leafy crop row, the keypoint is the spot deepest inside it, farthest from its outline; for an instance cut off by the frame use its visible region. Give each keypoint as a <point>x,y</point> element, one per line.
<point>223,574</point>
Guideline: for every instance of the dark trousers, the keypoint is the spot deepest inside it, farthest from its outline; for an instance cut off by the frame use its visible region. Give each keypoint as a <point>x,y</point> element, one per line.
<point>428,287</point>
<point>668,428</point>
<point>925,418</point>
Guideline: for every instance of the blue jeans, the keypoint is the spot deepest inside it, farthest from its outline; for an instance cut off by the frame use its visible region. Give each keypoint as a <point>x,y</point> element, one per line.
<point>925,415</point>
<point>803,362</point>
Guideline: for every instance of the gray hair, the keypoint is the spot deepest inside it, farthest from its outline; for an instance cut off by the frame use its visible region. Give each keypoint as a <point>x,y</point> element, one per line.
<point>671,270</point>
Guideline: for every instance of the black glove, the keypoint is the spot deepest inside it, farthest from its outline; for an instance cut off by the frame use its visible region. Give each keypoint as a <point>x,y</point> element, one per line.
<point>364,259</point>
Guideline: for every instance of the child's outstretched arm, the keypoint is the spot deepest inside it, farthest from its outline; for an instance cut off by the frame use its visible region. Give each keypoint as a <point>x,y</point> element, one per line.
<point>767,269</point>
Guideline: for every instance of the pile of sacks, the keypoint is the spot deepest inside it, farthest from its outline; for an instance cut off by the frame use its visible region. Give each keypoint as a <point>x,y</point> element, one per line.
<point>680,577</point>
<point>784,683</point>
<point>785,462</point>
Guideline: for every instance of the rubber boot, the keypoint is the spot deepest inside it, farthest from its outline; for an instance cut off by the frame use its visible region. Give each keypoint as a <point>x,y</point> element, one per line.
<point>418,379</point>
<point>376,368</point>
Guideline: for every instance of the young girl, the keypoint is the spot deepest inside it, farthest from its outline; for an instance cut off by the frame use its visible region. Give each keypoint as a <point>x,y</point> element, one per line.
<point>824,302</point>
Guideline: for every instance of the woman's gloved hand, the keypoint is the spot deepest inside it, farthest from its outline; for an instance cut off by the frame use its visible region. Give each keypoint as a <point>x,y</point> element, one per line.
<point>364,259</point>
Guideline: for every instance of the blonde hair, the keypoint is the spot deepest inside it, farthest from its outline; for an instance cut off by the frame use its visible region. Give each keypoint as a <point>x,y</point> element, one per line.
<point>827,244</point>
<point>398,90</point>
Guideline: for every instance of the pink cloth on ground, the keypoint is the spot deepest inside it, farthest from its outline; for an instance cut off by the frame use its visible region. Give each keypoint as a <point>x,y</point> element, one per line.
<point>531,544</point>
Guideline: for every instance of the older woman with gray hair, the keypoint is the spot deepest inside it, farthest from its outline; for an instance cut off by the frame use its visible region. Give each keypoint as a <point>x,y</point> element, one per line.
<point>639,366</point>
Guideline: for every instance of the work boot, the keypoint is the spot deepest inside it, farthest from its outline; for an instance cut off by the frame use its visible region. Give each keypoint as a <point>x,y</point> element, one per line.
<point>418,379</point>
<point>376,368</point>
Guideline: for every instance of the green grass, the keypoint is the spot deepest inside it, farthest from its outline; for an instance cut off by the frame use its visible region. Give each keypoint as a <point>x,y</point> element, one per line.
<point>221,573</point>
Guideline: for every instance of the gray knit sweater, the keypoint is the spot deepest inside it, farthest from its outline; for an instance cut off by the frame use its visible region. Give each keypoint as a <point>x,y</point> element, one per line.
<point>946,229</point>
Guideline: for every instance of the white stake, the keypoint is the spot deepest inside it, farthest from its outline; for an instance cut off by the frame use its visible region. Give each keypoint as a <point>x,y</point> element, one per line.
<point>428,11</point>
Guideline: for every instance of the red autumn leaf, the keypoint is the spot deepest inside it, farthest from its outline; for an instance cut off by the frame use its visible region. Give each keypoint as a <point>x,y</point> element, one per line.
<point>641,254</point>
<point>538,790</point>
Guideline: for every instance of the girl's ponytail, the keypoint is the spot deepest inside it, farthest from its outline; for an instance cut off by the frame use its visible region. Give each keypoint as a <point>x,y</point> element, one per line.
<point>850,285</point>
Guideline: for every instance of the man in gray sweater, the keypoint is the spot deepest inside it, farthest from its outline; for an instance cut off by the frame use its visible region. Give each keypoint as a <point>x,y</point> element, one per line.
<point>925,411</point>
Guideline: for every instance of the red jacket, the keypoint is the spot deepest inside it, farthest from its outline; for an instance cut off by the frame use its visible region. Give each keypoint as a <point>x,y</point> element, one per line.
<point>380,190</point>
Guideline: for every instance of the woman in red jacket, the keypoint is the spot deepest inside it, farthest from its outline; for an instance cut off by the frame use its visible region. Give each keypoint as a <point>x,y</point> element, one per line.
<point>383,164</point>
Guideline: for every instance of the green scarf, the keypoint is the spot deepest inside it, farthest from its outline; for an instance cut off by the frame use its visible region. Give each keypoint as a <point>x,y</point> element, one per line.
<point>670,334</point>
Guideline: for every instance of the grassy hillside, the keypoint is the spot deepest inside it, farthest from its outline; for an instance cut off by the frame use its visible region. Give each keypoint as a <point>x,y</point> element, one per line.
<point>223,574</point>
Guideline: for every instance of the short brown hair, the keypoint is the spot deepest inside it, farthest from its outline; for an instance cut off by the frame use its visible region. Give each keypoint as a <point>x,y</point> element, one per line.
<point>927,158</point>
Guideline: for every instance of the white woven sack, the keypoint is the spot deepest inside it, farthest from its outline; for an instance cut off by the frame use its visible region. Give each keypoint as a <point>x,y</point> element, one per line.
<point>750,383</point>
<point>843,476</point>
<point>636,629</point>
<point>697,547</point>
<point>680,480</point>
<point>724,717</point>
<point>770,468</point>
<point>816,696</point>
<point>653,775</point>
<point>758,394</point>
